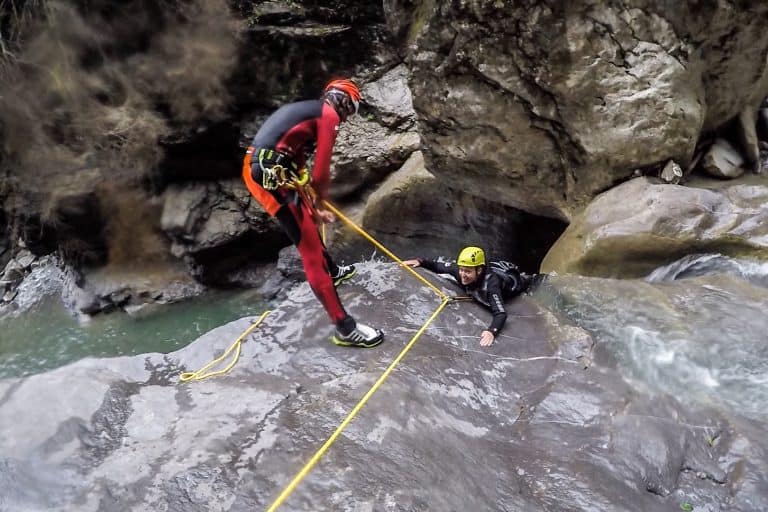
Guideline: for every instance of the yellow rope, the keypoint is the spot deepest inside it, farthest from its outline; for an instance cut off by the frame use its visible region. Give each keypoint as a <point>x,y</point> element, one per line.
<point>201,373</point>
<point>383,249</point>
<point>316,457</point>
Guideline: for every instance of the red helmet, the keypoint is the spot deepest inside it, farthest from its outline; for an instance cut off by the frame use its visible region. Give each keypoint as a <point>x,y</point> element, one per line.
<point>344,85</point>
<point>349,88</point>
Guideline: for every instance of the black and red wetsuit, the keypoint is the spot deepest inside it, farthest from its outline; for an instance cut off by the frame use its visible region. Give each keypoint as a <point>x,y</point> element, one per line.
<point>291,132</point>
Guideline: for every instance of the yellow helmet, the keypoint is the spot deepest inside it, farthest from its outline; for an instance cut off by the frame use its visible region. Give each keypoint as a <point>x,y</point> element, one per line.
<point>471,257</point>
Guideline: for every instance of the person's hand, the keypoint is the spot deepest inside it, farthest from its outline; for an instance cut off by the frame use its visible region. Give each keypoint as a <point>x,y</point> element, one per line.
<point>326,216</point>
<point>486,339</point>
<point>412,263</point>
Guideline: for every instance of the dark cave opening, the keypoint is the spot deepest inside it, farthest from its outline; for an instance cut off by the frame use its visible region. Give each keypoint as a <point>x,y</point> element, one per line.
<point>535,236</point>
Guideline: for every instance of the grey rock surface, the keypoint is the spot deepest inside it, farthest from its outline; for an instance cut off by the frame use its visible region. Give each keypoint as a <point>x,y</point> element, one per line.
<point>380,139</point>
<point>641,225</point>
<point>217,227</point>
<point>548,103</point>
<point>529,424</point>
<point>416,213</point>
<point>389,99</point>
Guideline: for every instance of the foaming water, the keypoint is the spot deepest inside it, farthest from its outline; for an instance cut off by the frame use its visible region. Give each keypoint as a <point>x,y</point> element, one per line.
<point>695,329</point>
<point>753,271</point>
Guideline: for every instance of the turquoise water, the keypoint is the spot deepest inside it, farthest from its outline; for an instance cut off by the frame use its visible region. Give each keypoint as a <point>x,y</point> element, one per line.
<point>48,336</point>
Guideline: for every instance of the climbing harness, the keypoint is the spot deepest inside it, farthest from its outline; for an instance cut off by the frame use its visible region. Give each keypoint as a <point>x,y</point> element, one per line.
<point>203,373</point>
<point>278,176</point>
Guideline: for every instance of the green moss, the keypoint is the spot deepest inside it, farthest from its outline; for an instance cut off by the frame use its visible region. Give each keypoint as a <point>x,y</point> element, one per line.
<point>421,15</point>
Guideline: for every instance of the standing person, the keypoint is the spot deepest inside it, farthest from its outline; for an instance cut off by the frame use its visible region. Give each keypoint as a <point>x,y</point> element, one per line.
<point>489,285</point>
<point>274,173</point>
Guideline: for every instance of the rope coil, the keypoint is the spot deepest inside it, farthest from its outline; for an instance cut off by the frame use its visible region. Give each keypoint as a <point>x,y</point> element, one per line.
<point>203,373</point>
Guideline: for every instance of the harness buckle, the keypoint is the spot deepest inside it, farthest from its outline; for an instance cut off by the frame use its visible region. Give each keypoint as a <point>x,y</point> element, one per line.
<point>298,180</point>
<point>279,171</point>
<point>271,177</point>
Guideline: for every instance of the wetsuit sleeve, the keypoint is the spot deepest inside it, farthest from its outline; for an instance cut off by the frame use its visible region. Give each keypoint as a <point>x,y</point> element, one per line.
<point>496,302</point>
<point>439,267</point>
<point>327,127</point>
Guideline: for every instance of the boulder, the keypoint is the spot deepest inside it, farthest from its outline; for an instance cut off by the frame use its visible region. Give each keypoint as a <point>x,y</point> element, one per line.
<point>218,227</point>
<point>366,153</point>
<point>111,287</point>
<point>640,225</point>
<point>14,271</point>
<point>289,264</point>
<point>25,259</point>
<point>379,140</point>
<point>29,289</point>
<point>388,100</point>
<point>748,140</point>
<point>549,106</point>
<point>273,282</point>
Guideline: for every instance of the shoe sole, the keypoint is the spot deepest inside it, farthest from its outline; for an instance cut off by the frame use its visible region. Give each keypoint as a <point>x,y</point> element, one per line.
<point>342,343</point>
<point>337,282</point>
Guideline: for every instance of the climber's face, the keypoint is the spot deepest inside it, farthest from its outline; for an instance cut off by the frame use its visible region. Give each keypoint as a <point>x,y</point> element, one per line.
<point>469,275</point>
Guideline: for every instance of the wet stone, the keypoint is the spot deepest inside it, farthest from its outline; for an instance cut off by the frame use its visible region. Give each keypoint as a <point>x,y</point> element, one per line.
<point>25,259</point>
<point>454,426</point>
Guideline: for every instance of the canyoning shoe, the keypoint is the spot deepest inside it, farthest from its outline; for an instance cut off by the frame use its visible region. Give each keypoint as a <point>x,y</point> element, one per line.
<point>343,273</point>
<point>361,336</point>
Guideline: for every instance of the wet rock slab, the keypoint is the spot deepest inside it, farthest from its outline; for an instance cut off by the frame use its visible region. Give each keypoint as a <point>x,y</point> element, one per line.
<point>529,424</point>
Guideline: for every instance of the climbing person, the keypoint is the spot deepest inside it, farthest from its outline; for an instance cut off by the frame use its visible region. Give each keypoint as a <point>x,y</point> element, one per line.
<point>488,284</point>
<point>274,172</point>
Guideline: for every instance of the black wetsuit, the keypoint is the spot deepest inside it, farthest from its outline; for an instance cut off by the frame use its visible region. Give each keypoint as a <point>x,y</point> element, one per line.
<point>500,281</point>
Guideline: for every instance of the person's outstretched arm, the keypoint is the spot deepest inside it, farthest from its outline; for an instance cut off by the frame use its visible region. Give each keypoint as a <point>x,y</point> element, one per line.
<point>438,267</point>
<point>496,303</point>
